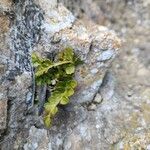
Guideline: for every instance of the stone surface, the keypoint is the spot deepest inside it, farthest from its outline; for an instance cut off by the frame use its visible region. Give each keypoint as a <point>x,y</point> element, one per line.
<point>121,120</point>
<point>92,107</point>
<point>47,28</point>
<point>80,8</point>
<point>17,36</point>
<point>4,52</point>
<point>96,46</point>
<point>3,114</point>
<point>37,140</point>
<point>5,3</point>
<point>98,98</point>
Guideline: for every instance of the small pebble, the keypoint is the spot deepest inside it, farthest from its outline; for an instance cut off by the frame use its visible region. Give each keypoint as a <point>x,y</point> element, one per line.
<point>130,93</point>
<point>92,107</point>
<point>98,98</point>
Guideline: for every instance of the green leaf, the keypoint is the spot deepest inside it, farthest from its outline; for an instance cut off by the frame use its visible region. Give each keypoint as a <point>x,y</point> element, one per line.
<point>61,63</point>
<point>47,62</point>
<point>70,69</point>
<point>54,111</point>
<point>66,55</point>
<point>40,71</point>
<point>35,60</point>
<point>43,79</point>
<point>72,83</point>
<point>61,84</point>
<point>77,61</point>
<point>47,121</point>
<point>64,100</point>
<point>47,107</point>
<point>44,68</point>
<point>54,99</point>
<point>69,92</point>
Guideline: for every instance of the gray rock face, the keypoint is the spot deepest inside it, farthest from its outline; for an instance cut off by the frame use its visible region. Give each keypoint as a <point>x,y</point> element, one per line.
<point>87,9</point>
<point>48,27</point>
<point>38,139</point>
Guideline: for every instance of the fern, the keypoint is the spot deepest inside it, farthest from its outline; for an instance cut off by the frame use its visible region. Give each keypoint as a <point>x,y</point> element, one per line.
<point>61,71</point>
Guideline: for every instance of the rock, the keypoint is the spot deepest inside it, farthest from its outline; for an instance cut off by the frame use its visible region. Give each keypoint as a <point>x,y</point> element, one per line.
<point>98,98</point>
<point>4,21</point>
<point>3,114</point>
<point>4,53</point>
<point>130,93</point>
<point>96,46</point>
<point>47,5</point>
<point>108,87</point>
<point>140,140</point>
<point>57,19</point>
<point>48,28</point>
<point>106,55</point>
<point>81,8</point>
<point>6,3</point>
<point>92,107</point>
<point>143,72</point>
<point>37,140</point>
<point>117,119</point>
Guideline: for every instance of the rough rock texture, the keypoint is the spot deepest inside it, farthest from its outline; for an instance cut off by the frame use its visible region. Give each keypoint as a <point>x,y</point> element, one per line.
<point>121,121</point>
<point>131,71</point>
<point>95,45</point>
<point>38,139</point>
<point>85,9</point>
<point>3,114</point>
<point>4,22</point>
<point>47,27</point>
<point>114,117</point>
